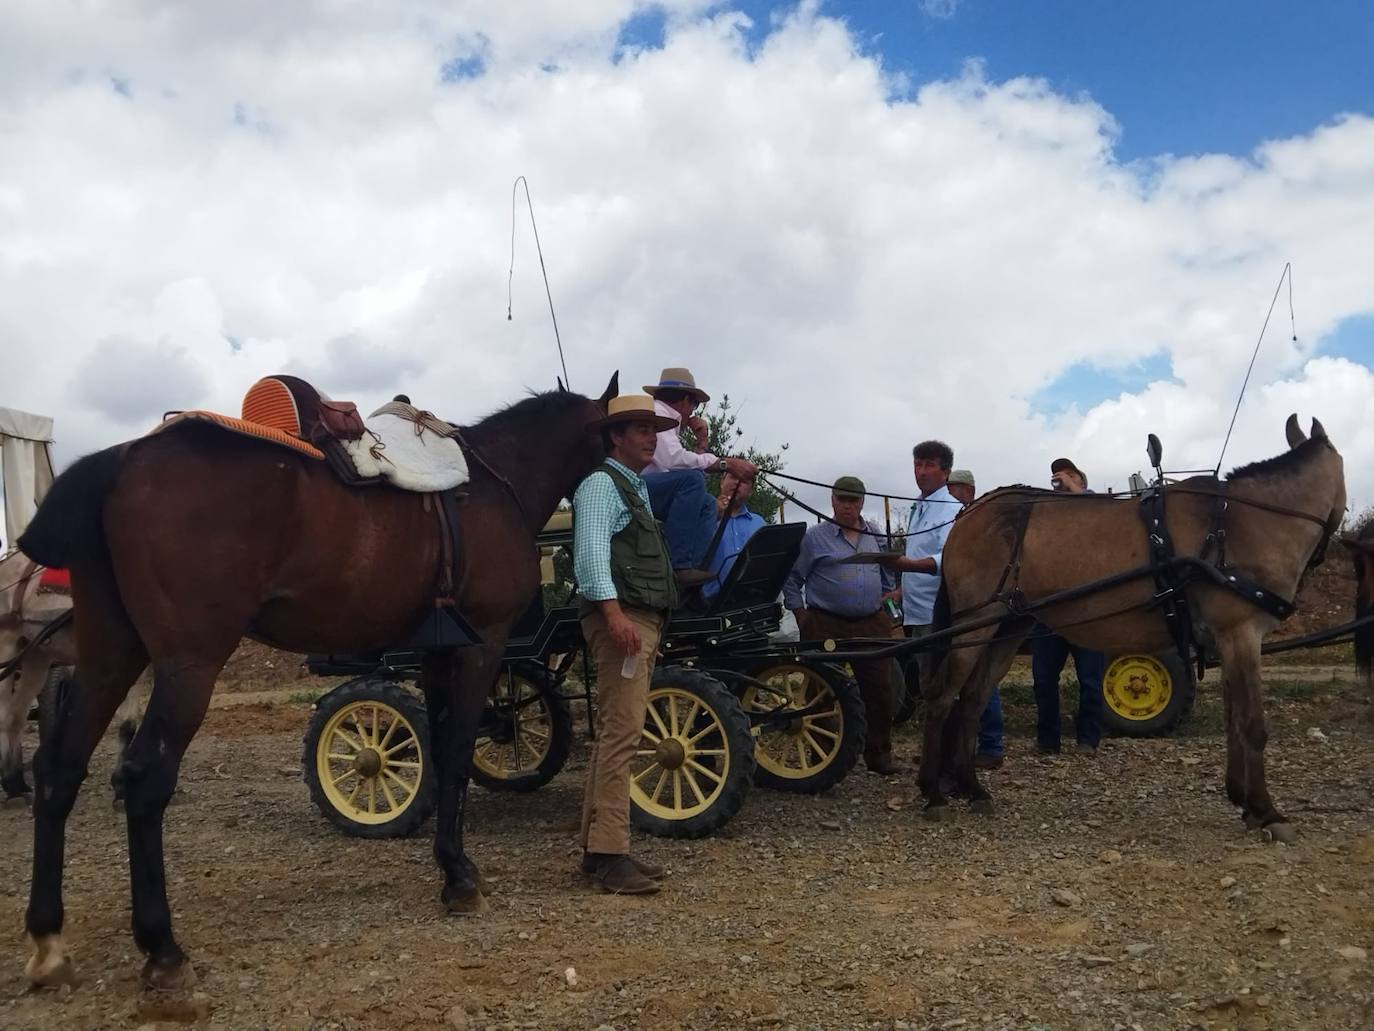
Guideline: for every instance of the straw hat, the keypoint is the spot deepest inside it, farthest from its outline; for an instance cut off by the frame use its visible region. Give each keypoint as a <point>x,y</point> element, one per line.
<point>678,379</point>
<point>633,408</point>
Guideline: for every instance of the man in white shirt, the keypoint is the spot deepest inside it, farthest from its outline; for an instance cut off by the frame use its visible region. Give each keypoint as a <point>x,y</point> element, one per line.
<point>676,478</point>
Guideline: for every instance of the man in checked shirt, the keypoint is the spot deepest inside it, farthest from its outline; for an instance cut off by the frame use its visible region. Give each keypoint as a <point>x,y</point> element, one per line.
<point>627,587</point>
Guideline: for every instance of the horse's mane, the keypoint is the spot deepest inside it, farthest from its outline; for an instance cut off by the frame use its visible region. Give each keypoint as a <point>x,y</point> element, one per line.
<point>1288,461</point>
<point>535,409</point>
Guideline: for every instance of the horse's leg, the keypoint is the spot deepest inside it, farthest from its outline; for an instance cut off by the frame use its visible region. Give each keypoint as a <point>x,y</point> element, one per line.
<point>112,656</point>
<point>181,694</point>
<point>456,688</point>
<point>946,682</point>
<point>15,699</point>
<point>1235,752</point>
<point>991,667</point>
<point>126,719</point>
<point>1240,657</point>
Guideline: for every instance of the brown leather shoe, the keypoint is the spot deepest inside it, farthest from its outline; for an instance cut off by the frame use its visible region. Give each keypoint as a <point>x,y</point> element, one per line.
<point>618,875</point>
<point>983,761</point>
<point>651,870</point>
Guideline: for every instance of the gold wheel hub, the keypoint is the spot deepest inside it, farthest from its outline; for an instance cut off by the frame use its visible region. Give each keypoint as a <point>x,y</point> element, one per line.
<point>670,754</point>
<point>368,763</point>
<point>1137,687</point>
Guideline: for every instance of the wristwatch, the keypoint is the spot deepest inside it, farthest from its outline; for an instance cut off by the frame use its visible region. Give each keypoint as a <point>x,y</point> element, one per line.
<point>721,465</point>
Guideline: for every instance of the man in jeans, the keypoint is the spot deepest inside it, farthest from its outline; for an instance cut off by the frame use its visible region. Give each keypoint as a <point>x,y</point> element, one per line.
<point>837,600</point>
<point>1049,652</point>
<point>676,477</point>
<point>627,588</point>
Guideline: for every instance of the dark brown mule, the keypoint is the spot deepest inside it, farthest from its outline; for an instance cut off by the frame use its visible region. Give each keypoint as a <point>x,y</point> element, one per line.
<point>185,542</point>
<point>1277,515</point>
<point>1362,554</point>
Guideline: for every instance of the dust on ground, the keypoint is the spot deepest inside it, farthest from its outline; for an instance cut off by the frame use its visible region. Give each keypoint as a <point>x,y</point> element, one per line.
<point>1112,892</point>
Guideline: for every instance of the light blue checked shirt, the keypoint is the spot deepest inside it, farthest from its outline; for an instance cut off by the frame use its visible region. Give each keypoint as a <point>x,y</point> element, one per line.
<point>927,527</point>
<point>599,513</point>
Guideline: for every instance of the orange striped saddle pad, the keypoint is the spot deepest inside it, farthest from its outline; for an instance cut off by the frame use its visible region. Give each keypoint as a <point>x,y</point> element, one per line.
<point>271,412</point>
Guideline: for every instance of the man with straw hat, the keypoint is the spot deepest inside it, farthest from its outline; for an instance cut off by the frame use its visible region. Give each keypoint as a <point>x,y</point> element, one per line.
<point>676,477</point>
<point>627,587</point>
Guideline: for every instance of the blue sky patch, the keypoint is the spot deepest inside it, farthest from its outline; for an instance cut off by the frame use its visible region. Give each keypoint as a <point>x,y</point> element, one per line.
<point>645,30</point>
<point>1352,338</point>
<point>1083,384</point>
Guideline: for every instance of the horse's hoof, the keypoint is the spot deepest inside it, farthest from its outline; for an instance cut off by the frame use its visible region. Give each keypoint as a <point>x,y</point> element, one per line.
<point>477,878</point>
<point>1252,822</point>
<point>169,977</point>
<point>50,969</point>
<point>981,806</point>
<point>935,813</point>
<point>23,801</point>
<point>1283,833</point>
<point>471,904</point>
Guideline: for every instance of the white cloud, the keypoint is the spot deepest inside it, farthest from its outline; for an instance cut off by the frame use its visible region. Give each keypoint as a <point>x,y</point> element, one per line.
<point>941,9</point>
<point>294,187</point>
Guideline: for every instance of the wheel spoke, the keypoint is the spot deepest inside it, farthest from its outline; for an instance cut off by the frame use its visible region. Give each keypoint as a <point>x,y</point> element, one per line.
<point>801,755</point>
<point>410,742</point>
<point>646,771</point>
<point>662,727</point>
<point>711,727</point>
<point>404,764</point>
<point>372,795</point>
<point>376,719</point>
<point>353,743</point>
<point>343,777</point>
<point>815,728</point>
<point>692,783</point>
<point>658,785</point>
<point>708,751</point>
<point>354,793</point>
<point>694,765</point>
<point>651,736</point>
<point>407,787</point>
<point>821,753</point>
<point>691,714</point>
<point>391,729</point>
<point>673,724</point>
<point>339,755</point>
<point>677,789</point>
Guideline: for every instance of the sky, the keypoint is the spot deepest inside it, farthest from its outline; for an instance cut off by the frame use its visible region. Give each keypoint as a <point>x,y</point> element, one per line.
<point>1030,229</point>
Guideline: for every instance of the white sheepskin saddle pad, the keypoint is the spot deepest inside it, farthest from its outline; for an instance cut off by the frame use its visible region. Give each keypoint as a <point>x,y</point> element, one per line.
<point>410,449</point>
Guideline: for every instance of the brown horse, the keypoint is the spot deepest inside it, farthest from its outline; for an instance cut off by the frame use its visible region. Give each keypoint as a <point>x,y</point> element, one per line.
<point>184,542</point>
<point>1018,545</point>
<point>1362,554</point>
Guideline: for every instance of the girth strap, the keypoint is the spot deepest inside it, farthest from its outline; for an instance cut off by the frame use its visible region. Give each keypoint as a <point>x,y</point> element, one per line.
<point>1169,596</point>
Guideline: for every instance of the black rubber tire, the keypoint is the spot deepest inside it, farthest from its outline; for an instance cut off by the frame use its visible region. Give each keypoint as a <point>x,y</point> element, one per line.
<point>357,693</point>
<point>911,693</point>
<point>50,699</point>
<point>853,730</point>
<point>734,769</point>
<point>1181,684</point>
<point>555,710</point>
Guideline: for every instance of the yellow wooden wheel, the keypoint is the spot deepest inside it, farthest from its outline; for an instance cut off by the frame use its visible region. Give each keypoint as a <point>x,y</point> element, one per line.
<point>518,734</point>
<point>1137,687</point>
<point>695,761</point>
<point>813,751</point>
<point>369,762</point>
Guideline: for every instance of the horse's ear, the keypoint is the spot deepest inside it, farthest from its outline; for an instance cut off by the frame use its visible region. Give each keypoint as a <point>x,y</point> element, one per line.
<point>561,388</point>
<point>1294,431</point>
<point>612,388</point>
<point>1318,430</point>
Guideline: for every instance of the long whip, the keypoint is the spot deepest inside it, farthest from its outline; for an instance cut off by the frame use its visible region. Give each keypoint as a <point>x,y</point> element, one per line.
<point>1287,271</point>
<point>515,186</point>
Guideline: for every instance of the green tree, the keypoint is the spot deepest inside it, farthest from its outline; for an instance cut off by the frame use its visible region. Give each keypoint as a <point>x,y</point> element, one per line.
<point>727,438</point>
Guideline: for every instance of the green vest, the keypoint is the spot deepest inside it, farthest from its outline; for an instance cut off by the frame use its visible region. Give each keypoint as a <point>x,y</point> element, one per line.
<point>640,565</point>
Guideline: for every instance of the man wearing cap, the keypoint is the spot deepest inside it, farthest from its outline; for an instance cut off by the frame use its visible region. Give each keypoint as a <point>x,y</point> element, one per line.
<point>840,600</point>
<point>676,477</point>
<point>627,589</point>
<point>1049,653</point>
<point>960,484</point>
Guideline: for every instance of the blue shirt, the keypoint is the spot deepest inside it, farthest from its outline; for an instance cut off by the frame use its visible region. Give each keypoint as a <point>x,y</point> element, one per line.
<point>599,513</point>
<point>927,527</point>
<point>849,591</point>
<point>740,527</point>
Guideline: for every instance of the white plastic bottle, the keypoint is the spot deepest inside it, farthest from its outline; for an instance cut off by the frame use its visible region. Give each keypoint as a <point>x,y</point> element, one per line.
<point>630,666</point>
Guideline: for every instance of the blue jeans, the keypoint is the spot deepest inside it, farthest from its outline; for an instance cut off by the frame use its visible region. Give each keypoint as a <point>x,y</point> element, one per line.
<point>990,726</point>
<point>1048,655</point>
<point>688,513</point>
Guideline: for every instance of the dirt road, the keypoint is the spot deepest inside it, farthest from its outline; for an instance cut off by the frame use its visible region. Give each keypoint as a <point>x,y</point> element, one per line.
<point>1114,892</point>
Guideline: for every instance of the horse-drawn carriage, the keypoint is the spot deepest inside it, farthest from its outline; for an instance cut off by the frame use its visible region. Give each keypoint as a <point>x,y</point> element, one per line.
<point>729,706</point>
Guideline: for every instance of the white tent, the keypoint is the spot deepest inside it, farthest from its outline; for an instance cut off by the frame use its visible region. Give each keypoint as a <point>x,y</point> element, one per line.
<point>26,461</point>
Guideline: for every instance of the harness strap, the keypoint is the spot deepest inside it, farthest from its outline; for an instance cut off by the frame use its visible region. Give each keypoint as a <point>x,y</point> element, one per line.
<point>11,664</point>
<point>457,434</point>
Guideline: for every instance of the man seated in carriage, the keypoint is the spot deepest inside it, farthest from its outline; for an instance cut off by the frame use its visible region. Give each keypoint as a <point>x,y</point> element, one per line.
<point>676,478</point>
<point>732,506</point>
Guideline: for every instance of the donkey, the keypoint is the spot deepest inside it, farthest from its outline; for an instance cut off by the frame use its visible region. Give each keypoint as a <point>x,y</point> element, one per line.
<point>24,615</point>
<point>1017,545</point>
<point>283,552</point>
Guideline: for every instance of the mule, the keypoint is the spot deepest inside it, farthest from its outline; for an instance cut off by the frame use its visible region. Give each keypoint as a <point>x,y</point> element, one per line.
<point>25,613</point>
<point>185,541</point>
<point>1018,545</point>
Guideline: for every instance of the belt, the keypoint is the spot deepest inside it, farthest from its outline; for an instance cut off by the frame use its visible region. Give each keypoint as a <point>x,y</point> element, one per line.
<point>844,619</point>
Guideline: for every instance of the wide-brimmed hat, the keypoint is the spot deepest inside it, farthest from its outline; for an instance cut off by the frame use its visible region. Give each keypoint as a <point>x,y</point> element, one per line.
<point>678,379</point>
<point>633,408</point>
<point>848,487</point>
<point>961,476</point>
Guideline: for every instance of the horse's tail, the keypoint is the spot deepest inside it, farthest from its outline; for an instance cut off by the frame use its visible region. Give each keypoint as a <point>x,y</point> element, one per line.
<point>68,530</point>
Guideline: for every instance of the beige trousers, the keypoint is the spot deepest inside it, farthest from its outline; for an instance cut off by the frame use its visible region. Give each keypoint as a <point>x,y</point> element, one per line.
<point>620,710</point>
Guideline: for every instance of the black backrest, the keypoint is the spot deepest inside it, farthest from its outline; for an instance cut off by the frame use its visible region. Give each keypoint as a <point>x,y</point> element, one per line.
<point>758,573</point>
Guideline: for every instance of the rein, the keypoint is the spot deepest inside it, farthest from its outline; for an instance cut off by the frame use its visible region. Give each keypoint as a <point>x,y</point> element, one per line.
<point>793,499</point>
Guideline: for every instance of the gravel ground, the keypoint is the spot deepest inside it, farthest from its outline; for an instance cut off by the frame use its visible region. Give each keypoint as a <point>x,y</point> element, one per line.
<point>1111,892</point>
